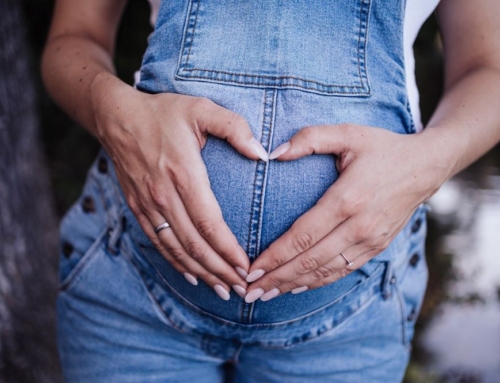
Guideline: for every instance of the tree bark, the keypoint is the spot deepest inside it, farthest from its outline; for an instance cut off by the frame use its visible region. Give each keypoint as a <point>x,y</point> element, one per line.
<point>28,227</point>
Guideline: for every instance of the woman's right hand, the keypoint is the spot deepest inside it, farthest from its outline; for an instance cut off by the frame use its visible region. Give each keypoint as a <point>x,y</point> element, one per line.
<point>155,143</point>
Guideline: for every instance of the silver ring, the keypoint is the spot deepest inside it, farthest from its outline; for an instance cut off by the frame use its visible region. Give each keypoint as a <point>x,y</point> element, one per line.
<point>159,228</point>
<point>349,263</point>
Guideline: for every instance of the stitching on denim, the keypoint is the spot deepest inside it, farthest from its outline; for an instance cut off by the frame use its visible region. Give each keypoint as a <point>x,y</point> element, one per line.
<point>143,277</point>
<point>86,259</point>
<point>235,74</point>
<point>364,14</point>
<point>258,191</point>
<point>193,28</point>
<point>236,356</point>
<point>249,241</point>
<point>339,88</point>
<point>337,91</point>
<point>334,326</point>
<point>372,287</point>
<point>270,130</point>
<point>402,310</point>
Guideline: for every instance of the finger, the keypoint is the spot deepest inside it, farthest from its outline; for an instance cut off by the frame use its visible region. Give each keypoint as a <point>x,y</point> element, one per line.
<point>203,209</point>
<point>361,260</point>
<point>332,271</point>
<point>223,123</point>
<point>305,232</point>
<point>321,139</point>
<point>309,261</point>
<point>173,209</point>
<point>168,245</point>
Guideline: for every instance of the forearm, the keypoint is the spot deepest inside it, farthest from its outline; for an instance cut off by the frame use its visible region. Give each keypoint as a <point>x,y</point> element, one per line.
<point>71,64</point>
<point>466,123</point>
<point>78,52</point>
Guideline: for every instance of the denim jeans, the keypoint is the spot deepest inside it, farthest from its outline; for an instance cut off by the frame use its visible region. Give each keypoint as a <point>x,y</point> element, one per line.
<point>126,315</point>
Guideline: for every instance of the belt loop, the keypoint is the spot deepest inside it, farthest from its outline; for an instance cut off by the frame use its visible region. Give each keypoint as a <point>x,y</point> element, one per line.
<point>387,281</point>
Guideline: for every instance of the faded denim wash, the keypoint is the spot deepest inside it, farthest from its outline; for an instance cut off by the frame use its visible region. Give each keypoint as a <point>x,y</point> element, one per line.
<point>126,315</point>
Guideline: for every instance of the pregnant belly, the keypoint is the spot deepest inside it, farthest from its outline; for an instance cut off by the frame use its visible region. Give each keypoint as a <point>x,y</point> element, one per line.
<point>260,201</point>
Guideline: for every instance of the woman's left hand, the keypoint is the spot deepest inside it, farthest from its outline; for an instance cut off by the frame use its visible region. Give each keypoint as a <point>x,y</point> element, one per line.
<point>384,177</point>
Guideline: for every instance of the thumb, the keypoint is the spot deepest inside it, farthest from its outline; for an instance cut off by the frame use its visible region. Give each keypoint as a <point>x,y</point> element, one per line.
<point>223,123</point>
<point>321,139</point>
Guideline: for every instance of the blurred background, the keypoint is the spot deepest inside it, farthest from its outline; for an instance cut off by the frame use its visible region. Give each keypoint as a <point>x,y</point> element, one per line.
<point>44,157</point>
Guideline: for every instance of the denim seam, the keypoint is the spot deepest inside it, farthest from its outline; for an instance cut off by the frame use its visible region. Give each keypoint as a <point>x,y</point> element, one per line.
<point>338,89</point>
<point>259,190</point>
<point>261,76</point>
<point>156,305</point>
<point>364,8</point>
<point>267,147</point>
<point>402,309</point>
<point>164,283</point>
<point>86,259</point>
<point>194,26</point>
<point>236,356</point>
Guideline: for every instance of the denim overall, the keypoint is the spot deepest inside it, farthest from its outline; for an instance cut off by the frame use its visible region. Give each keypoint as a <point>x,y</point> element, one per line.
<point>282,66</point>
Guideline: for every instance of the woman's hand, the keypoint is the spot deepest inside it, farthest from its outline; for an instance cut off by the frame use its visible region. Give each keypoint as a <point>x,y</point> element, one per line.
<point>155,143</point>
<point>384,176</point>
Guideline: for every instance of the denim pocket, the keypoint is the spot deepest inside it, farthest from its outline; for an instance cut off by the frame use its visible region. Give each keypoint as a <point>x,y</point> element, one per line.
<point>82,230</point>
<point>314,45</point>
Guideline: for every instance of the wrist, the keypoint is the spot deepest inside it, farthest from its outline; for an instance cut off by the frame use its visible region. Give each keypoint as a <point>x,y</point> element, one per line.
<point>106,93</point>
<point>441,153</point>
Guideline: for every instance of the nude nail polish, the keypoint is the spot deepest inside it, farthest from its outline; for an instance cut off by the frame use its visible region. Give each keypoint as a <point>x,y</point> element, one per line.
<point>253,295</point>
<point>242,273</point>
<point>299,290</point>
<point>240,290</point>
<point>191,279</point>
<point>254,275</point>
<point>259,150</point>
<point>279,150</point>
<point>222,292</point>
<point>270,295</point>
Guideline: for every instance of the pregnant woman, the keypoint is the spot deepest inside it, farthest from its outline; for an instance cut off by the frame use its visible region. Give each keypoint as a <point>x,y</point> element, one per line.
<point>259,198</point>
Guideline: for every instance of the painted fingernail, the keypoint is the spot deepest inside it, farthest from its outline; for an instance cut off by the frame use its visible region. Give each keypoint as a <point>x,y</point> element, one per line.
<point>253,295</point>
<point>254,275</point>
<point>279,150</point>
<point>259,150</point>
<point>191,279</point>
<point>270,295</point>
<point>222,292</point>
<point>242,273</point>
<point>299,290</point>
<point>240,290</point>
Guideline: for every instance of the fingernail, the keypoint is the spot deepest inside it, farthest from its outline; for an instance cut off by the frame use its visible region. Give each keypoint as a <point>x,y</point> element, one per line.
<point>240,290</point>
<point>253,295</point>
<point>222,292</point>
<point>299,290</point>
<point>270,295</point>
<point>254,275</point>
<point>259,150</point>
<point>191,279</point>
<point>242,273</point>
<point>279,150</point>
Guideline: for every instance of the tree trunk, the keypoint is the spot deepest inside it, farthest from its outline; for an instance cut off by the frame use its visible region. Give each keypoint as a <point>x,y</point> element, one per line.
<point>28,231</point>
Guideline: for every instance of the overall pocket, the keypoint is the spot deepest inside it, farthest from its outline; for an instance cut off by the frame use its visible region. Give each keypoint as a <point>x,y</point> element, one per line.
<point>317,46</point>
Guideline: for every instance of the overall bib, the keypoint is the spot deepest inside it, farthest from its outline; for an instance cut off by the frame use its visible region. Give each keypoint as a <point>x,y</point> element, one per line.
<point>282,65</point>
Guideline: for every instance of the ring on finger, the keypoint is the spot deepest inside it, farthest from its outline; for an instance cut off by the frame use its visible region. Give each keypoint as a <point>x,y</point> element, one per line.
<point>349,263</point>
<point>164,225</point>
